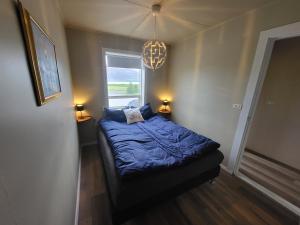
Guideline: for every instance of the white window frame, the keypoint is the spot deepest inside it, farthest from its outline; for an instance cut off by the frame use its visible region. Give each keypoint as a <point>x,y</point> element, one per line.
<point>123,53</point>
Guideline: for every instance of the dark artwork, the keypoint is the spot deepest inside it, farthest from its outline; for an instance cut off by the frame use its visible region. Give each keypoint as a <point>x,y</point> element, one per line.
<point>42,58</point>
<point>46,61</point>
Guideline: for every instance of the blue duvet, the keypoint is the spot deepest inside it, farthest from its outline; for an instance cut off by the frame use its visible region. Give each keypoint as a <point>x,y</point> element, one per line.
<point>153,144</point>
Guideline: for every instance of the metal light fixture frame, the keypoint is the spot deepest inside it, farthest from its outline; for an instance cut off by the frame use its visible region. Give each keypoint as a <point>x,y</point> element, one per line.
<point>154,51</point>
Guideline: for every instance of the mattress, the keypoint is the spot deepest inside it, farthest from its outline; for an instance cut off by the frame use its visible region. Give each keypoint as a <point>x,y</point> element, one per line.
<point>153,145</point>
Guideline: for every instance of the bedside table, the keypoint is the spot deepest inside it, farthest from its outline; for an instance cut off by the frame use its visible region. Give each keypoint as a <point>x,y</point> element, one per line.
<point>86,131</point>
<point>166,114</point>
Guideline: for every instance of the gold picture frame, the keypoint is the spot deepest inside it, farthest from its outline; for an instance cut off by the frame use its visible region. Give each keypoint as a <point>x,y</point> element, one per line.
<point>42,58</point>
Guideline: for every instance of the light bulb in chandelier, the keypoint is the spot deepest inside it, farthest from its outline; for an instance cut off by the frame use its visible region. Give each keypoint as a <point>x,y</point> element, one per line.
<point>154,51</point>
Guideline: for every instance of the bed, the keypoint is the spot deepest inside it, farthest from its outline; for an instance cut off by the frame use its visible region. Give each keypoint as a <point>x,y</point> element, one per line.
<point>148,162</point>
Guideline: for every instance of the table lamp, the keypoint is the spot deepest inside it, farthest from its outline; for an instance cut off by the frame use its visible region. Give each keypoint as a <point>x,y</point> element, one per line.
<point>79,108</point>
<point>165,104</point>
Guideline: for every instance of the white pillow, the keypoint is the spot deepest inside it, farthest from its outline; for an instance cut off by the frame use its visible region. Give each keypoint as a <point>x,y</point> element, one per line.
<point>133,115</point>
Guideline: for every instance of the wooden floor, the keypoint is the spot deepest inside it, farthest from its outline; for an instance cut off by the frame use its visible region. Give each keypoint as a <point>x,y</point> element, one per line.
<point>275,176</point>
<point>229,201</point>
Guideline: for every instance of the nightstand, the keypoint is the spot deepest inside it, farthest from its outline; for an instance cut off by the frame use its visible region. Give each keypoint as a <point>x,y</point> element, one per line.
<point>166,114</point>
<point>86,131</point>
<point>83,119</point>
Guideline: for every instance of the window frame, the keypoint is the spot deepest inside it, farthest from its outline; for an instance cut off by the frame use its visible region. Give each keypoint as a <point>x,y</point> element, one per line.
<point>105,78</point>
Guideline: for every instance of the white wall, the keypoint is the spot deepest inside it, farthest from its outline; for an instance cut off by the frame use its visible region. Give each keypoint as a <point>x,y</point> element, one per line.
<point>276,124</point>
<point>209,71</point>
<point>39,146</point>
<point>85,50</point>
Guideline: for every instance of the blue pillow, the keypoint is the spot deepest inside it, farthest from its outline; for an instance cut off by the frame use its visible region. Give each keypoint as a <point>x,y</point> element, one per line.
<point>115,115</point>
<point>146,111</point>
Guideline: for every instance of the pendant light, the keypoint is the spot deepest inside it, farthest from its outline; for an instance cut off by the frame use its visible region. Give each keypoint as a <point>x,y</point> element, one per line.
<point>154,51</point>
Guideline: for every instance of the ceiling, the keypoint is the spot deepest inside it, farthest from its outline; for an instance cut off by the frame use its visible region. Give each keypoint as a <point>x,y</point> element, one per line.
<point>176,20</point>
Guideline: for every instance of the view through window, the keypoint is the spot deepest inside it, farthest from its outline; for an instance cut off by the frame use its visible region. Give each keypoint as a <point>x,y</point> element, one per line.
<point>125,80</point>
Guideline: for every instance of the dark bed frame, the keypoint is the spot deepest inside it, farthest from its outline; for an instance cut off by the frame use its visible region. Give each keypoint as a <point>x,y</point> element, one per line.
<point>121,216</point>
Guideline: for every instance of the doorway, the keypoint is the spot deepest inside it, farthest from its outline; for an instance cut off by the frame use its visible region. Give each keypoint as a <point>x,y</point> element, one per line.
<point>266,148</point>
<point>272,153</point>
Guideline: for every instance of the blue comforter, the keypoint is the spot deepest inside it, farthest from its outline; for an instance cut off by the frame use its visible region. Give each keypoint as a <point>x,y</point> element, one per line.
<point>153,144</point>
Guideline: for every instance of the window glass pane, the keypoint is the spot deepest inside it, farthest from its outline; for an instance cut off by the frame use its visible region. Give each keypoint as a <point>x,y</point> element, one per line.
<point>125,77</point>
<point>123,81</point>
<point>122,102</point>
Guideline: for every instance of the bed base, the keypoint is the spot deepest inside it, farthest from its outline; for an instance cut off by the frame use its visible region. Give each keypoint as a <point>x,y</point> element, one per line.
<point>119,217</point>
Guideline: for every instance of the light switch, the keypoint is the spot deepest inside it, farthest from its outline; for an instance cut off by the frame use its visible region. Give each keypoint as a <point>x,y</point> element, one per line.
<point>237,106</point>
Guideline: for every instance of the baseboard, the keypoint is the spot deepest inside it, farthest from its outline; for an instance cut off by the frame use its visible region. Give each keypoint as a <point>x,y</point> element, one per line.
<point>225,168</point>
<point>78,192</point>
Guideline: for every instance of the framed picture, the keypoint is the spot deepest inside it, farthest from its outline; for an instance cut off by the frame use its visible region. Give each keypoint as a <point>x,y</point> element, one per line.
<point>42,59</point>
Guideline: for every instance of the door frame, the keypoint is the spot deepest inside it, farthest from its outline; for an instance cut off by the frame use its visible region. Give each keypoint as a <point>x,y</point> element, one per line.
<point>257,76</point>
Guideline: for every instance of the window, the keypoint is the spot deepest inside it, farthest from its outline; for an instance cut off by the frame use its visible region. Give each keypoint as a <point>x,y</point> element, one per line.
<point>124,79</point>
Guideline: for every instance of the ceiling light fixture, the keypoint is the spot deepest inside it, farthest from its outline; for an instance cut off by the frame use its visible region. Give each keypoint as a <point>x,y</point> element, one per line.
<point>154,51</point>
